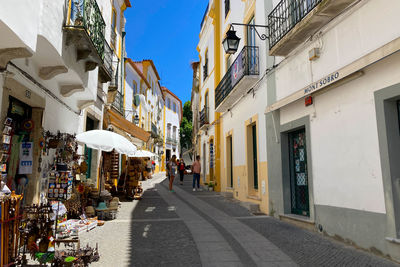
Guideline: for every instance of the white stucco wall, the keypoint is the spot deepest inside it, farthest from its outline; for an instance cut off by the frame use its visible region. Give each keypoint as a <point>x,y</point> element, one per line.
<point>346,164</point>
<point>130,77</point>
<point>22,28</point>
<point>345,39</point>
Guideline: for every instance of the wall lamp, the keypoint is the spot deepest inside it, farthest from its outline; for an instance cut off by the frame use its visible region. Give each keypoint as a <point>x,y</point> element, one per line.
<point>231,41</point>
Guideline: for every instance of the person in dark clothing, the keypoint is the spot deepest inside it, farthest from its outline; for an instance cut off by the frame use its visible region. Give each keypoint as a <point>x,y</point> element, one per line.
<point>181,168</point>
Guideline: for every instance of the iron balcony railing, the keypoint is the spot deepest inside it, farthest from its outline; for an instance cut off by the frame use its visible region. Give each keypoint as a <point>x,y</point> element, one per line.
<point>172,140</point>
<point>86,14</point>
<point>204,116</point>
<point>204,17</point>
<point>108,61</point>
<point>246,63</point>
<point>113,38</point>
<point>286,15</point>
<point>118,103</point>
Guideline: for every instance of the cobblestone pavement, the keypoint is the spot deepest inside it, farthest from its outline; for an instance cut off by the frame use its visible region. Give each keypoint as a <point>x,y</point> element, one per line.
<point>185,228</point>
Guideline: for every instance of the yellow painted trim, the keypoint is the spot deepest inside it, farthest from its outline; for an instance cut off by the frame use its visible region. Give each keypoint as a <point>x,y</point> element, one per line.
<point>124,87</point>
<point>229,134</point>
<point>227,16</point>
<point>69,12</point>
<point>251,190</point>
<point>217,78</point>
<point>249,13</point>
<point>207,92</point>
<point>140,115</point>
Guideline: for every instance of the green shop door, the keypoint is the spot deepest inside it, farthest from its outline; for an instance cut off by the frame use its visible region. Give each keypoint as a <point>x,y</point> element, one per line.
<point>298,173</point>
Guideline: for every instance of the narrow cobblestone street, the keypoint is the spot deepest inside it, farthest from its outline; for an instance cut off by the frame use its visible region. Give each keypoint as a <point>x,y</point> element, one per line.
<point>188,228</point>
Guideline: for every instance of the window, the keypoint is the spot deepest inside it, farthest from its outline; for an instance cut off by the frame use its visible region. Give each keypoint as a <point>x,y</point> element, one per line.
<point>174,133</point>
<point>169,130</point>
<point>174,107</point>
<point>251,34</point>
<point>227,7</point>
<point>252,158</point>
<point>168,103</point>
<point>205,67</point>
<point>134,88</point>
<point>113,28</point>
<point>229,160</point>
<point>206,106</point>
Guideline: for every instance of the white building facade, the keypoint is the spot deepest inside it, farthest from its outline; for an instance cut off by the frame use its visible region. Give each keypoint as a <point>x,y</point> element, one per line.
<point>59,78</point>
<point>144,101</point>
<point>333,119</point>
<point>172,122</point>
<point>306,124</point>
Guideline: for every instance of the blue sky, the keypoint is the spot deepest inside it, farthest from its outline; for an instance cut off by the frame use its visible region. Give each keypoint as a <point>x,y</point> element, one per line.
<point>166,31</point>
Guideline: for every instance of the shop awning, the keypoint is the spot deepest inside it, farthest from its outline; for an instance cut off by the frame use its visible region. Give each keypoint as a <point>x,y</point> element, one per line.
<point>112,117</point>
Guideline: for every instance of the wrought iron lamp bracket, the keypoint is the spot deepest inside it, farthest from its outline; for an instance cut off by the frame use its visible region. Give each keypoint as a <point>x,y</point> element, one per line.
<point>262,36</point>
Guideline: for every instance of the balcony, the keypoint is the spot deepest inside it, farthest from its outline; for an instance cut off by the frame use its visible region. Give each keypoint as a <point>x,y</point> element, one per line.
<point>85,29</point>
<point>240,77</point>
<point>171,140</point>
<point>118,102</point>
<point>204,117</point>
<point>154,131</point>
<point>113,38</point>
<point>293,22</point>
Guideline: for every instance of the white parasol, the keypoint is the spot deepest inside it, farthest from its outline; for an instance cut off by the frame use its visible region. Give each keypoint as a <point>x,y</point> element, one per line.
<point>142,154</point>
<point>106,141</point>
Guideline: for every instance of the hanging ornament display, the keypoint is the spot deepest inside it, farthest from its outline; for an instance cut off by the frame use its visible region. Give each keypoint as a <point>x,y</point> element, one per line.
<point>27,125</point>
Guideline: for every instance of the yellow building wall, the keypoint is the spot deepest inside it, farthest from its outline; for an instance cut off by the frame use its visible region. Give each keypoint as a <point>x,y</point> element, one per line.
<point>241,192</point>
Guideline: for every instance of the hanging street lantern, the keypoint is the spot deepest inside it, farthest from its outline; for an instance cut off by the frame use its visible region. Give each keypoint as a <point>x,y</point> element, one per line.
<point>136,119</point>
<point>231,42</point>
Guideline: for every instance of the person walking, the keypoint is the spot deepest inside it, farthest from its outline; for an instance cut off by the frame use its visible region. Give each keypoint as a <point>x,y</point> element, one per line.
<point>172,167</point>
<point>196,170</point>
<point>153,167</point>
<point>181,168</point>
<point>148,168</point>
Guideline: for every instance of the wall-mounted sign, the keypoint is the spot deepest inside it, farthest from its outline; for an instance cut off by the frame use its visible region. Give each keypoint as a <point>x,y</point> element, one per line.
<point>237,71</point>
<point>26,158</point>
<point>327,80</point>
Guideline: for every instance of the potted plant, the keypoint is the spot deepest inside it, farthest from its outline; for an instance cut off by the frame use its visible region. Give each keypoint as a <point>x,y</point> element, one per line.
<point>211,185</point>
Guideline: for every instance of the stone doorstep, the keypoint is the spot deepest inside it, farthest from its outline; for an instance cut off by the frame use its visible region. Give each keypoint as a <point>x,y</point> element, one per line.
<point>298,220</point>
<point>227,194</point>
<point>252,207</point>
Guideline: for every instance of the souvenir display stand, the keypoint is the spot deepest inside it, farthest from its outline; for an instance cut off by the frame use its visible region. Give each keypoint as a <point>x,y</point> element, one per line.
<point>130,179</point>
<point>46,226</point>
<point>40,237</point>
<point>9,224</point>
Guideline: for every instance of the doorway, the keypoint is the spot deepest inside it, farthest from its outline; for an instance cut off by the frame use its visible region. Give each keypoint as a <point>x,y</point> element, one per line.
<point>211,160</point>
<point>229,160</point>
<point>204,162</point>
<point>167,155</point>
<point>298,173</point>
